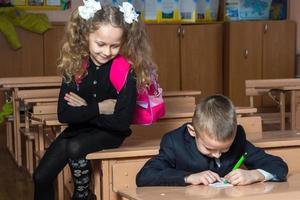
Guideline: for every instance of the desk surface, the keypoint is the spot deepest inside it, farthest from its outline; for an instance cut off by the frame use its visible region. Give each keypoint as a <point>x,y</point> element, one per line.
<point>41,100</point>
<point>29,80</point>
<point>181,93</point>
<point>272,83</point>
<point>135,145</point>
<point>289,190</point>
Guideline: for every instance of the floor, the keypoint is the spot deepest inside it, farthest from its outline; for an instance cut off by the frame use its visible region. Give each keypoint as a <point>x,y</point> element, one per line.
<point>15,184</point>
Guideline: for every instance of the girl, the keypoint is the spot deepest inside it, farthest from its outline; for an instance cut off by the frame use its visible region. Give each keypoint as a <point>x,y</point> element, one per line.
<point>98,117</point>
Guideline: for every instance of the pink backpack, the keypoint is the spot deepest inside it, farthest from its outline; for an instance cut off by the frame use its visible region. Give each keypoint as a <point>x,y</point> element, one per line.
<point>149,103</point>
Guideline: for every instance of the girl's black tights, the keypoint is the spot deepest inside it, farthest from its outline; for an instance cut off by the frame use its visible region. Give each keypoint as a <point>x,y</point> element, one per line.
<point>71,147</point>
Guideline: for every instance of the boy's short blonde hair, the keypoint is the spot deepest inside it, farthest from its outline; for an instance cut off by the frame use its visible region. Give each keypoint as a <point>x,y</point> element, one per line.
<point>216,115</point>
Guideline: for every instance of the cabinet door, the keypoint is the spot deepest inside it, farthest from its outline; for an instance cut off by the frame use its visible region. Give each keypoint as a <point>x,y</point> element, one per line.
<point>31,54</point>
<point>201,58</point>
<point>26,61</point>
<point>243,59</point>
<point>52,39</point>
<point>165,49</point>
<point>279,51</point>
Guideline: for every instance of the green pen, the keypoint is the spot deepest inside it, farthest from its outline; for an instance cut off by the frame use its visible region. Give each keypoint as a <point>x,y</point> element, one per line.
<point>238,164</point>
<point>240,161</point>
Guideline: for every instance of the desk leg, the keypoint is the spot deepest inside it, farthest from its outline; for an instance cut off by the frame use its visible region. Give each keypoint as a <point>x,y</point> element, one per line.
<point>105,181</point>
<point>293,109</point>
<point>60,185</point>
<point>97,178</point>
<point>41,138</point>
<point>282,110</point>
<point>17,136</point>
<point>297,110</point>
<point>36,148</point>
<point>9,137</point>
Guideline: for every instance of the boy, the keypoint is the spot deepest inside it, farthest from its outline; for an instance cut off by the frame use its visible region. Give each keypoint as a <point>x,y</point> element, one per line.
<point>207,149</point>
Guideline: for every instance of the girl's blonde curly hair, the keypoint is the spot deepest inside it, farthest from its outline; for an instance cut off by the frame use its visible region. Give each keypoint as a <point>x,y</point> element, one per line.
<point>134,46</point>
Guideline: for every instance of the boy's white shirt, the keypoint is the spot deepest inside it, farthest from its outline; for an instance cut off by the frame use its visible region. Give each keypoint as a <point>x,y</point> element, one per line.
<point>268,176</point>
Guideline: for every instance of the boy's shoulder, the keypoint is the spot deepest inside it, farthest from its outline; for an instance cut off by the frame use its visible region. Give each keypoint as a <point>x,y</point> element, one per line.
<point>179,134</point>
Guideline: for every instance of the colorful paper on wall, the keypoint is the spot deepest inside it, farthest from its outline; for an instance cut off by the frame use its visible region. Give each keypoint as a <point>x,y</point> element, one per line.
<point>188,10</point>
<point>53,2</point>
<point>232,10</point>
<point>168,10</point>
<point>278,10</point>
<point>247,9</point>
<point>35,2</point>
<point>19,2</point>
<point>207,10</point>
<point>139,6</point>
<point>258,9</point>
<point>65,4</point>
<point>151,10</point>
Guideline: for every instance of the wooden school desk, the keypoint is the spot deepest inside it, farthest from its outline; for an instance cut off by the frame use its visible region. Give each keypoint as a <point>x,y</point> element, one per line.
<point>282,86</point>
<point>115,169</point>
<point>11,86</point>
<point>289,190</point>
<point>46,120</point>
<point>176,115</point>
<point>27,130</point>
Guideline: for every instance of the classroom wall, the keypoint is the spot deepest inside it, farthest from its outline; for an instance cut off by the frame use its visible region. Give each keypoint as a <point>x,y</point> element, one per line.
<point>62,16</point>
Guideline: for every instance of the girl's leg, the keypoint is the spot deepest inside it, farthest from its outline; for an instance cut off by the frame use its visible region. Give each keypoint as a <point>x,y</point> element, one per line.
<point>81,171</point>
<point>79,147</point>
<point>53,161</point>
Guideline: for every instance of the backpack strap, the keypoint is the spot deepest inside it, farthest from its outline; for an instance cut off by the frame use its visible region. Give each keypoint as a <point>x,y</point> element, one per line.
<point>119,71</point>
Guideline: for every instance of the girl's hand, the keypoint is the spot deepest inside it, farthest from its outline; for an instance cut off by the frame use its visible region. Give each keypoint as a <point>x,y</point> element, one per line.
<point>107,107</point>
<point>74,100</point>
<point>244,177</point>
<point>205,178</point>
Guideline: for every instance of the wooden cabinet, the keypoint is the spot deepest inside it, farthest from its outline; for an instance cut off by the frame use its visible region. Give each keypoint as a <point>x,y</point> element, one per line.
<point>52,41</point>
<point>165,44</point>
<point>189,56</point>
<point>26,61</point>
<point>257,50</point>
<point>201,58</point>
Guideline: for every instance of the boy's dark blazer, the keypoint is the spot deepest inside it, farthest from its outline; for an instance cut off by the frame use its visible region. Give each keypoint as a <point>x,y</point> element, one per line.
<point>178,157</point>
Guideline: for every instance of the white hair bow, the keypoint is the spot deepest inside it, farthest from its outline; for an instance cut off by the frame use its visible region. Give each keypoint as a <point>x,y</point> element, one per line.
<point>129,12</point>
<point>89,9</point>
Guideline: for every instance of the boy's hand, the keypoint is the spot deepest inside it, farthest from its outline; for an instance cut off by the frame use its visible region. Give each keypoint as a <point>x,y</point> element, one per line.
<point>244,177</point>
<point>74,100</point>
<point>107,107</point>
<point>205,177</point>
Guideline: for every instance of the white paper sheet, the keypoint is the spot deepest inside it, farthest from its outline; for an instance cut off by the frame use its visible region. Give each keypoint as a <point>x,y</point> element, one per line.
<point>222,184</point>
